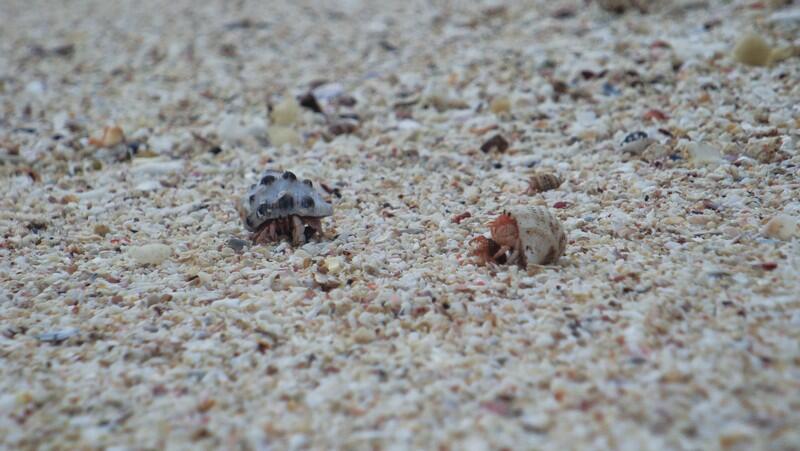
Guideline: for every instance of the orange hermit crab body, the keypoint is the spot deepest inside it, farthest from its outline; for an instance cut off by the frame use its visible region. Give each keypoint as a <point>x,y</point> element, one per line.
<point>505,237</point>
<point>521,236</point>
<point>505,232</point>
<point>484,250</point>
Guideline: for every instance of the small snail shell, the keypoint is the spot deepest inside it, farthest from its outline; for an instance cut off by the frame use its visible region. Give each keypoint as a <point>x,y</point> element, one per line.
<point>541,182</point>
<point>541,235</point>
<point>635,143</point>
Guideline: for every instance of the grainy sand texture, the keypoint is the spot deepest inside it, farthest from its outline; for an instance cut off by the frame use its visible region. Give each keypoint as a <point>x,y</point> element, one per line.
<point>136,313</point>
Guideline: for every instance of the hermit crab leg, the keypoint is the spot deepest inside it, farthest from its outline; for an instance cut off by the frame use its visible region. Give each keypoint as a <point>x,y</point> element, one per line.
<point>261,236</point>
<point>297,230</point>
<point>503,249</point>
<point>515,254</point>
<point>273,232</point>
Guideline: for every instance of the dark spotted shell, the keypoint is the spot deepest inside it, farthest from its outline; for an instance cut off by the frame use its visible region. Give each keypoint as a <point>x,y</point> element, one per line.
<point>635,143</point>
<point>279,195</point>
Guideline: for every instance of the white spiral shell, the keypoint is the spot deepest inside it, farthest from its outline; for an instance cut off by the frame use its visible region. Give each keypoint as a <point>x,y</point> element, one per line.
<point>541,236</point>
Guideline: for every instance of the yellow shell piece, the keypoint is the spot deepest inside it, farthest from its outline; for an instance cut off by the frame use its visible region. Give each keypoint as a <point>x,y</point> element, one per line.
<point>753,50</point>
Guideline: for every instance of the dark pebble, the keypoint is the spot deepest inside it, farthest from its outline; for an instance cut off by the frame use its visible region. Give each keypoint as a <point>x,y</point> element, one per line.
<point>496,142</point>
<point>610,90</point>
<point>342,128</point>
<point>237,244</point>
<point>308,100</point>
<point>346,101</point>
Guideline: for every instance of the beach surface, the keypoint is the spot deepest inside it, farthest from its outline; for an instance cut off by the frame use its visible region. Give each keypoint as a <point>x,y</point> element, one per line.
<point>136,313</point>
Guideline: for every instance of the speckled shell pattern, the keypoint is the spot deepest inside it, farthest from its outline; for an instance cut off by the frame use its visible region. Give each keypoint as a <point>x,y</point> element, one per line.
<point>280,195</point>
<point>543,182</point>
<point>541,234</point>
<point>636,142</point>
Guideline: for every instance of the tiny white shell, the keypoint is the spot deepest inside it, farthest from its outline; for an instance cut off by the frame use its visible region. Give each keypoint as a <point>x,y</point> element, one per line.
<point>636,147</point>
<point>541,235</point>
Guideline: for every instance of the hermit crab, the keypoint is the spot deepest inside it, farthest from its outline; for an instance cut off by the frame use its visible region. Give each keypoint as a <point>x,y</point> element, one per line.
<point>281,205</point>
<point>521,235</point>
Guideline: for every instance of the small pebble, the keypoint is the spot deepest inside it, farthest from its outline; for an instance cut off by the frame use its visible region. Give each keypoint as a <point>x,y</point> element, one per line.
<point>460,217</point>
<point>148,185</point>
<point>101,229</point>
<point>153,253</point>
<point>286,112</point>
<point>237,244</point>
<point>328,91</point>
<point>280,135</point>
<point>155,299</point>
<point>753,50</point>
<point>333,265</point>
<point>702,153</point>
<point>309,101</point>
<point>342,128</point>
<point>363,335</point>
<point>112,135</point>
<point>500,105</point>
<point>655,115</point>
<point>781,227</point>
<point>57,336</point>
<point>765,151</point>
<point>496,142</point>
<point>621,6</point>
<point>610,90</point>
<point>230,129</point>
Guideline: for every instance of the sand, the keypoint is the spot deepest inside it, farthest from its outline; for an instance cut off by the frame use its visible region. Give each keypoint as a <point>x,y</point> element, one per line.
<point>135,313</point>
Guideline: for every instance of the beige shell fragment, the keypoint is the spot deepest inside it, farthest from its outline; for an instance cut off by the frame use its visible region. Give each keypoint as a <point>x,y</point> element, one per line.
<point>285,113</point>
<point>638,146</point>
<point>112,135</point>
<point>781,227</point>
<point>541,235</point>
